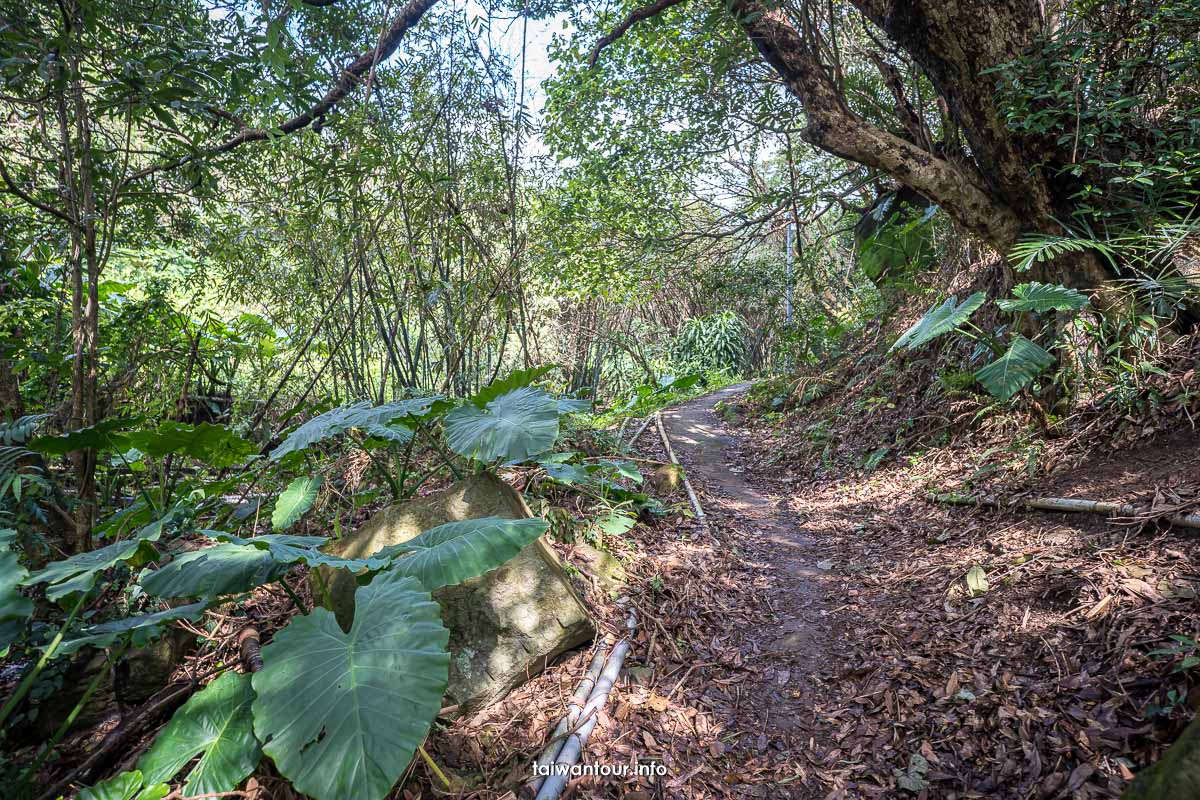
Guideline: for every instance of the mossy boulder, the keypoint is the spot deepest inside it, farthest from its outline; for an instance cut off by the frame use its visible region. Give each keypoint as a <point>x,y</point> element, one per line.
<point>506,625</point>
<point>1176,775</point>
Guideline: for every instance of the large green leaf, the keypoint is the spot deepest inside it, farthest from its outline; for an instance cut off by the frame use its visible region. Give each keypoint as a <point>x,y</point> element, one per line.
<point>341,714</point>
<point>214,571</point>
<point>126,786</point>
<point>1016,369</point>
<point>215,445</point>
<point>1042,297</point>
<point>514,380</point>
<point>295,501</point>
<point>384,421</point>
<point>513,427</point>
<point>79,572</point>
<point>288,549</point>
<point>215,724</point>
<point>939,320</point>
<point>15,608</point>
<point>141,628</point>
<point>458,551</point>
<point>104,436</point>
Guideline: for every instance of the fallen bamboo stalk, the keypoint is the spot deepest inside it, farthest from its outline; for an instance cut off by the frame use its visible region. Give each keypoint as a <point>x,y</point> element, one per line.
<point>640,431</point>
<point>1069,505</point>
<point>560,770</point>
<point>691,493</point>
<point>578,700</point>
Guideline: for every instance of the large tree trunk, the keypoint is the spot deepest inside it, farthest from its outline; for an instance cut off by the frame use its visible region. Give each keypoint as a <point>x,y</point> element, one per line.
<point>1006,186</point>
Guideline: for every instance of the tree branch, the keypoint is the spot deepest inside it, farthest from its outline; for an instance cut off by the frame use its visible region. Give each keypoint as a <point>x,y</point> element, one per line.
<point>833,127</point>
<point>637,15</point>
<point>346,82</point>
<point>13,188</point>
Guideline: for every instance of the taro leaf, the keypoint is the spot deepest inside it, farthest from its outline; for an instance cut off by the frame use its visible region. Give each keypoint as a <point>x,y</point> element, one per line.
<point>79,572</point>
<point>626,469</point>
<point>1041,297</point>
<point>213,571</point>
<point>215,445</point>
<point>1016,369</point>
<point>358,415</point>
<point>977,581</point>
<point>513,427</point>
<point>101,436</point>
<point>516,379</point>
<point>939,320</point>
<point>15,608</point>
<point>126,786</point>
<point>571,405</point>
<point>615,523</point>
<point>341,714</point>
<point>215,724</point>
<point>567,473</point>
<point>142,628</point>
<point>288,549</point>
<point>295,501</point>
<point>458,551</point>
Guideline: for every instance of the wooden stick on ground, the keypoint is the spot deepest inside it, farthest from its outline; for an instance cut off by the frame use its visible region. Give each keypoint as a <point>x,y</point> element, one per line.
<point>1071,505</point>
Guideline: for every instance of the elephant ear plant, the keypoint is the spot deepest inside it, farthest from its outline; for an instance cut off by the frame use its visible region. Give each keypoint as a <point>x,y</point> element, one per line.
<point>340,713</point>
<point>1017,360</point>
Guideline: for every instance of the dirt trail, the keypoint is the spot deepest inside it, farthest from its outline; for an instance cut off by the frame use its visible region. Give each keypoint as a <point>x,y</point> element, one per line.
<point>792,652</point>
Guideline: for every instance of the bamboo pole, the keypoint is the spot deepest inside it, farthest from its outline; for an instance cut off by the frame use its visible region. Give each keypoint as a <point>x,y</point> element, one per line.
<point>695,501</point>
<point>640,431</point>
<point>572,748</point>
<point>1069,505</point>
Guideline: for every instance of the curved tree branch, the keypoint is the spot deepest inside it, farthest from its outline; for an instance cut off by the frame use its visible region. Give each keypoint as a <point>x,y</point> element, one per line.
<point>833,127</point>
<point>347,81</point>
<point>637,15</point>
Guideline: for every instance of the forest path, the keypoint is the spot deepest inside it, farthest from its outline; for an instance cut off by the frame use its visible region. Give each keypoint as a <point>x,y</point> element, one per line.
<point>790,655</point>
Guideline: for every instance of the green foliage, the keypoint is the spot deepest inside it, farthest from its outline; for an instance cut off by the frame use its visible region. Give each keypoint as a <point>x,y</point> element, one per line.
<point>80,572</point>
<point>126,786</point>
<point>1042,297</point>
<point>295,501</point>
<point>514,426</point>
<point>213,571</point>
<point>894,239</point>
<point>713,343</point>
<point>1019,362</point>
<point>369,695</point>
<point>15,608</point>
<point>1016,369</point>
<point>387,421</point>
<point>458,551</point>
<point>214,724</point>
<point>138,630</point>
<point>939,320</point>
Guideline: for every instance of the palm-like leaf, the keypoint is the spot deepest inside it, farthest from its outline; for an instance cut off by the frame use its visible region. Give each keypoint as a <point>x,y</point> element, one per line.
<point>1043,297</point>
<point>940,319</point>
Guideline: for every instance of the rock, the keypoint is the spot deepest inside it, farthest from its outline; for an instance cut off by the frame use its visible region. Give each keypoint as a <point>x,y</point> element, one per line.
<point>505,626</point>
<point>666,479</point>
<point>1177,773</point>
<point>604,567</point>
